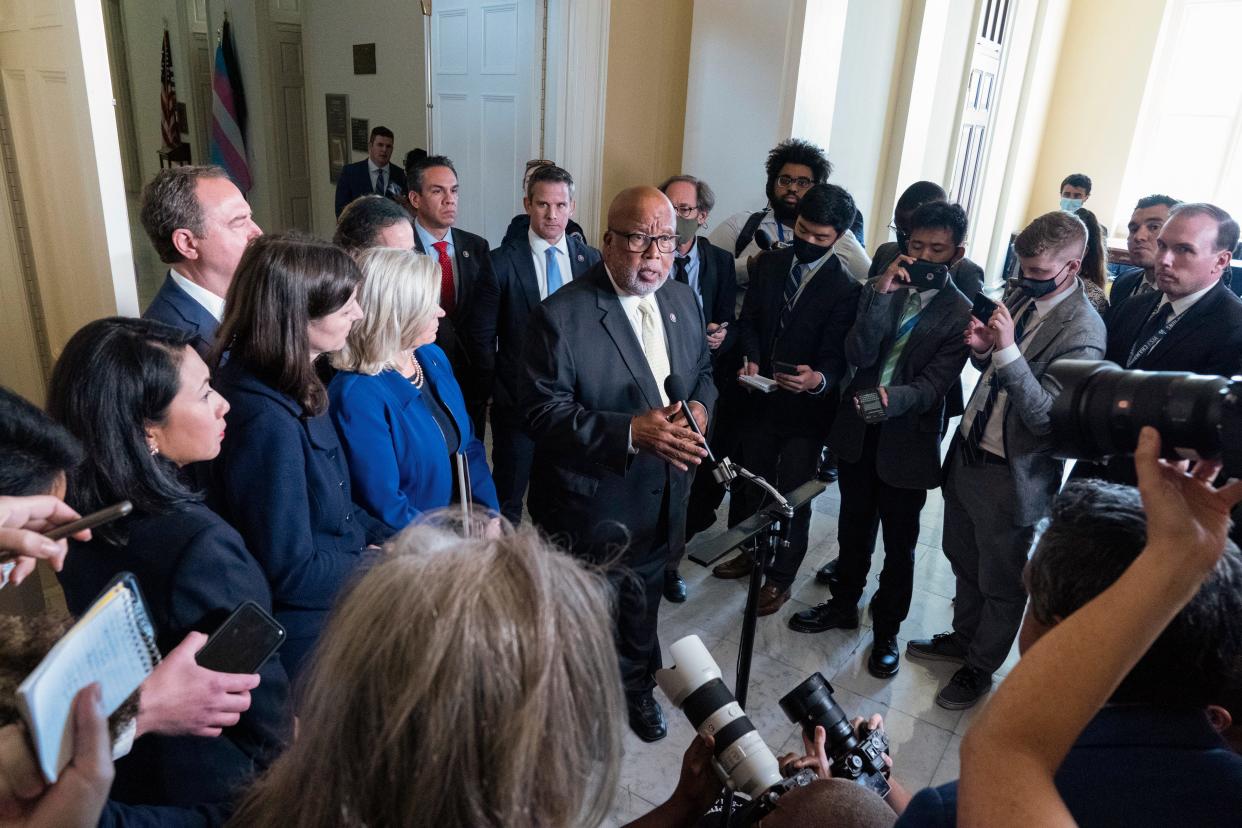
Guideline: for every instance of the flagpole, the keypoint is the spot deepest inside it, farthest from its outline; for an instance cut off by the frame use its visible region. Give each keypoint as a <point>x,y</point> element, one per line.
<point>427,70</point>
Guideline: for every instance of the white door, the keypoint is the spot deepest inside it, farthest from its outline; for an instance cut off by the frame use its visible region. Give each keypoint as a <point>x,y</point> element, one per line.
<point>485,58</point>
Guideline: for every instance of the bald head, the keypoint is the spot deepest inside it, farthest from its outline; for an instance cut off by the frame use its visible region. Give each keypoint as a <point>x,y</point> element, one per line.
<point>838,802</point>
<point>640,269</point>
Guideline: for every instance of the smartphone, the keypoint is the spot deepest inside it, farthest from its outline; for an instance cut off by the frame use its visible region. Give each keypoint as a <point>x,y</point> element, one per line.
<point>245,640</point>
<point>927,275</point>
<point>983,308</point>
<point>107,515</point>
<point>785,368</point>
<point>871,405</point>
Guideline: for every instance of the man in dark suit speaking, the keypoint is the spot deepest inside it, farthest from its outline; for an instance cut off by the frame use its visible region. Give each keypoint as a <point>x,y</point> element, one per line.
<point>374,174</point>
<point>612,452</point>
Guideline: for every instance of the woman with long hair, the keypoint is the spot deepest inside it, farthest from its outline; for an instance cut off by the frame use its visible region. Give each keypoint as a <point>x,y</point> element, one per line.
<point>398,409</point>
<point>138,397</point>
<point>460,682</point>
<point>281,477</point>
<point>1094,270</point>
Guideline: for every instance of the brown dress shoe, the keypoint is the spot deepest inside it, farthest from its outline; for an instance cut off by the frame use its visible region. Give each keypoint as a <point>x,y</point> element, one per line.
<point>736,567</point>
<point>771,598</point>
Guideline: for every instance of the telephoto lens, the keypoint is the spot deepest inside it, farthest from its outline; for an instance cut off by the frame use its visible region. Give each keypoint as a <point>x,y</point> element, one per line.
<point>694,685</point>
<point>856,757</point>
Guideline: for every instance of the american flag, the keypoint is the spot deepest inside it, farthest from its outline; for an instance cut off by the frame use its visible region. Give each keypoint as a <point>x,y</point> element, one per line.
<point>168,99</point>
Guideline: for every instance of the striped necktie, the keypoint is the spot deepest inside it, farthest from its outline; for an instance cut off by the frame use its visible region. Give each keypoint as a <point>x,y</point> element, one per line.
<point>791,290</point>
<point>909,318</point>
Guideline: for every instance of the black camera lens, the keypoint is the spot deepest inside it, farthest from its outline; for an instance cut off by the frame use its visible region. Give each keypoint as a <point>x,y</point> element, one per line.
<point>810,704</point>
<point>1101,409</point>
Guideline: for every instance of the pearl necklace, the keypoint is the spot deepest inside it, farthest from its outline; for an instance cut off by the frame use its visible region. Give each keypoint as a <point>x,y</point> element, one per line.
<point>417,376</point>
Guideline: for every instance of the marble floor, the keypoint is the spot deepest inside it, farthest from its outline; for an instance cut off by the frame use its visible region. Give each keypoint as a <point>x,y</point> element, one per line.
<point>924,738</point>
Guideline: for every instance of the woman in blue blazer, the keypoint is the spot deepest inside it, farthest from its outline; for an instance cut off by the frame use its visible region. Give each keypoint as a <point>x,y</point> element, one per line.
<point>281,479</point>
<point>398,409</point>
<point>137,395</point>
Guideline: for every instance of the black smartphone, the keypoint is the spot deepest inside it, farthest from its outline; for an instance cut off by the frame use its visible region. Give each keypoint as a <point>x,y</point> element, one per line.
<point>872,406</point>
<point>927,275</point>
<point>105,515</point>
<point>785,368</point>
<point>983,308</point>
<point>245,640</point>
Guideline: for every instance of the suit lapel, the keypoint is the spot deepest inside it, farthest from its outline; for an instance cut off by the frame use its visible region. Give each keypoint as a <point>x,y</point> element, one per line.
<point>707,280</point>
<point>618,326</point>
<point>525,270</point>
<point>578,262</point>
<point>463,261</point>
<point>1186,326</point>
<point>674,324</point>
<point>1055,322</point>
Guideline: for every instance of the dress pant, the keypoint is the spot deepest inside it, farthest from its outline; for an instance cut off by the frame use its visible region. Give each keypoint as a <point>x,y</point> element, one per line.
<point>988,552</point>
<point>637,582</point>
<point>512,454</point>
<point>867,503</point>
<point>786,462</point>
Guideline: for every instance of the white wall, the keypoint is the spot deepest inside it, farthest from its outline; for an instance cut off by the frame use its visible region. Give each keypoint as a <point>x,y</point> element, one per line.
<point>394,97</point>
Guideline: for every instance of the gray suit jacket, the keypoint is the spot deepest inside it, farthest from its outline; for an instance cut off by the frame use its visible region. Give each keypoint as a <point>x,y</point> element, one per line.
<point>908,450</point>
<point>1073,330</point>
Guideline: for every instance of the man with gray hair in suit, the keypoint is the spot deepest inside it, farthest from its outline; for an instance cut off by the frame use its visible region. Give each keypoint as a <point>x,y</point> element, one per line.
<point>1000,478</point>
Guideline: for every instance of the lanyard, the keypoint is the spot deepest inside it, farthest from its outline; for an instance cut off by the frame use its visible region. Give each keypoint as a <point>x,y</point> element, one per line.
<point>780,230</point>
<point>1140,351</point>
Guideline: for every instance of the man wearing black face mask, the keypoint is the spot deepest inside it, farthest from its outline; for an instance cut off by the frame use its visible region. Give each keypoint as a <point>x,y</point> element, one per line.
<point>792,328</point>
<point>999,476</point>
<point>906,345</point>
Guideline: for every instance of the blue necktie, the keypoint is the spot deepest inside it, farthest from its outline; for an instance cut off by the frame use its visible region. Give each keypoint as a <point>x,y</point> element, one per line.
<point>380,189</point>
<point>554,271</point>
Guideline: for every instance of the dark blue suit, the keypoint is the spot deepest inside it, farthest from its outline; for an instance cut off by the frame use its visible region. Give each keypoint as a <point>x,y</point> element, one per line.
<point>1131,766</point>
<point>193,569</point>
<point>398,462</point>
<point>173,306</point>
<point>504,297</point>
<point>281,480</point>
<point>356,181</point>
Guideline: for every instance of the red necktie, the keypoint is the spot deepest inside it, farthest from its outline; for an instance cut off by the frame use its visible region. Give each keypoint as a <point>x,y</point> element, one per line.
<point>447,299</point>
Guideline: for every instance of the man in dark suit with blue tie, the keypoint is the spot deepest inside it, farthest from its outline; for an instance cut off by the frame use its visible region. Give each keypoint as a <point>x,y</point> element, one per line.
<point>375,174</point>
<point>613,452</point>
<point>525,271</point>
<point>200,224</point>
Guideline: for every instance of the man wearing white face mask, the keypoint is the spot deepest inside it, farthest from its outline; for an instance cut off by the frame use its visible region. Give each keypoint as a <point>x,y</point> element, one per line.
<point>1000,478</point>
<point>1075,190</point>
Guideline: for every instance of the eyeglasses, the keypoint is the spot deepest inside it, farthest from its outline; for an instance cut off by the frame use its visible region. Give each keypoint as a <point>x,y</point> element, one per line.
<point>639,242</point>
<point>685,210</point>
<point>800,183</point>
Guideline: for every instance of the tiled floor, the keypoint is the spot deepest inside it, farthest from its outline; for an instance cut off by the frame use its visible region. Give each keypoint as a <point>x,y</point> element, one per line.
<point>924,737</point>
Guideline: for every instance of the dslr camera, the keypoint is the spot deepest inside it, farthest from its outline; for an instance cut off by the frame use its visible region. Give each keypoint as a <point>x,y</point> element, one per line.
<point>741,758</point>
<point>1101,408</point>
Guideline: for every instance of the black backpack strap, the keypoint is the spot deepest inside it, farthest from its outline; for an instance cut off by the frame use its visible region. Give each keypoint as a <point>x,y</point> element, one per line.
<point>748,232</point>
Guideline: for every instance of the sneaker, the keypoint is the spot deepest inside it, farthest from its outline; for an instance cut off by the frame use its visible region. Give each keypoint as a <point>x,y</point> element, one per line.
<point>940,647</point>
<point>964,689</point>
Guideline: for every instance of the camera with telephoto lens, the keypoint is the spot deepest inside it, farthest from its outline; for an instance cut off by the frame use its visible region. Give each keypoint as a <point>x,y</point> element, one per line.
<point>1101,408</point>
<point>855,755</point>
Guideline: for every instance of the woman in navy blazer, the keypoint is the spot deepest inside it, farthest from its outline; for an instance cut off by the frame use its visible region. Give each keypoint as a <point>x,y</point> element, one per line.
<point>137,395</point>
<point>281,479</point>
<point>398,409</point>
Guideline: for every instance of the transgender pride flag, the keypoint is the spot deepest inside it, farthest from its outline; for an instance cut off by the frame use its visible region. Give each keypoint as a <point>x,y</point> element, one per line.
<point>228,114</point>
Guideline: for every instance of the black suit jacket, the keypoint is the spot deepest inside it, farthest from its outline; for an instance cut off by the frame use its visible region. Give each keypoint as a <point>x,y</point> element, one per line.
<point>472,264</point>
<point>193,569</point>
<point>356,181</point>
<point>585,378</point>
<point>1125,285</point>
<point>815,336</point>
<point>717,282</point>
<point>1207,340</point>
<point>930,365</point>
<point>504,297</point>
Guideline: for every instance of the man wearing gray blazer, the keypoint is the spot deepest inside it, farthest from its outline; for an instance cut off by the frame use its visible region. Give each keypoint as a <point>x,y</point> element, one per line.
<point>1000,478</point>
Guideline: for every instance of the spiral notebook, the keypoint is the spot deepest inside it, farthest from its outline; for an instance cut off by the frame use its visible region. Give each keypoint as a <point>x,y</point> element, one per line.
<point>113,643</point>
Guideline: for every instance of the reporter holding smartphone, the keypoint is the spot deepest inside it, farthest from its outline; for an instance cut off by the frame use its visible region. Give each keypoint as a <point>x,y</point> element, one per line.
<point>138,398</point>
<point>906,346</point>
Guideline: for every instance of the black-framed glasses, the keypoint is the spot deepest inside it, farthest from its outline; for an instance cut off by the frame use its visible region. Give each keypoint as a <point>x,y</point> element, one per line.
<point>686,211</point>
<point>639,242</point>
<point>801,183</point>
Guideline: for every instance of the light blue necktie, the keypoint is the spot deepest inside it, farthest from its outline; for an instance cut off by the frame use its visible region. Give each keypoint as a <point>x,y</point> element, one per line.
<point>554,271</point>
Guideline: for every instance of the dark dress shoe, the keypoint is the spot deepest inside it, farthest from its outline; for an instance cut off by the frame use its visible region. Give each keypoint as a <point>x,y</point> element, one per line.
<point>823,617</point>
<point>771,598</point>
<point>885,657</point>
<point>827,471</point>
<point>674,587</point>
<point>827,574</point>
<point>646,717</point>
<point>738,566</point>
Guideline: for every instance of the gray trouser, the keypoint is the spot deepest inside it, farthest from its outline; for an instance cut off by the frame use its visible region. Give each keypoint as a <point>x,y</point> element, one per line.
<point>987,552</point>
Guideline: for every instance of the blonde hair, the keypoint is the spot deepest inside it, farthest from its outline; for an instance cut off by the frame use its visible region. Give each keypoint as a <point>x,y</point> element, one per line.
<point>461,682</point>
<point>399,294</point>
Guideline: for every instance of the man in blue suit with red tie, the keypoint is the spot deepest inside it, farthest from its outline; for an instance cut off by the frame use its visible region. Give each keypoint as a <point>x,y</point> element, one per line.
<point>200,224</point>
<point>525,270</point>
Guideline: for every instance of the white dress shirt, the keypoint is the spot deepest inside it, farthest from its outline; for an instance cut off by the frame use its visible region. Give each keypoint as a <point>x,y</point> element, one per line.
<point>538,248</point>
<point>214,304</point>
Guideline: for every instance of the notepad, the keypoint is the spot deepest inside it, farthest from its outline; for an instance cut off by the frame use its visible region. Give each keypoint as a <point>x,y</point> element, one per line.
<point>759,383</point>
<point>113,643</point>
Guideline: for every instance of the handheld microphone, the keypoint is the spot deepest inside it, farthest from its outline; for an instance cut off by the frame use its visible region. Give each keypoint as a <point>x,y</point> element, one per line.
<point>675,387</point>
